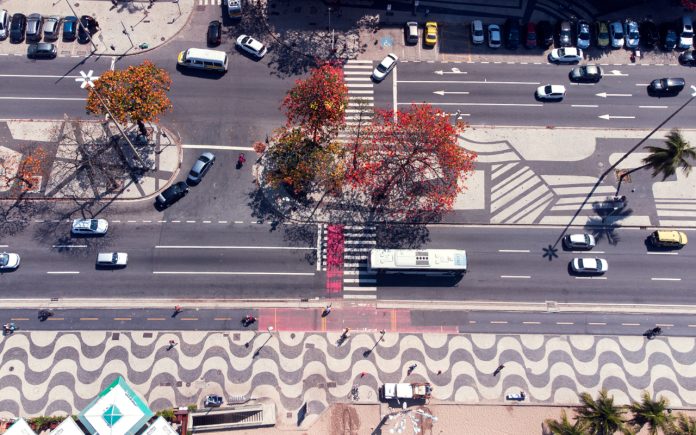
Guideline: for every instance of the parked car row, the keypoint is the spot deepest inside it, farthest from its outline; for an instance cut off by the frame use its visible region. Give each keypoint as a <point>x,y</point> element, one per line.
<point>176,191</point>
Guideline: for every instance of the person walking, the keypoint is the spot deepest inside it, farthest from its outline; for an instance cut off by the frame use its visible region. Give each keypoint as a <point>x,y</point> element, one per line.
<point>172,343</point>
<point>327,311</point>
<point>500,367</point>
<point>411,368</point>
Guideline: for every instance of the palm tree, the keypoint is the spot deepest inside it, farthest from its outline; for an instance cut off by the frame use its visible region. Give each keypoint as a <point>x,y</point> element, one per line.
<point>675,156</point>
<point>652,413</point>
<point>565,427</point>
<point>601,416</point>
<point>684,425</point>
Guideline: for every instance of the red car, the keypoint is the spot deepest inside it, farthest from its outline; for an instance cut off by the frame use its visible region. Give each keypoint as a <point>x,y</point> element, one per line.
<point>530,39</point>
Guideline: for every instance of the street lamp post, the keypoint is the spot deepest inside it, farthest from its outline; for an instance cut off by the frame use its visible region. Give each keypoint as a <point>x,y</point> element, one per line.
<point>79,24</point>
<point>332,31</point>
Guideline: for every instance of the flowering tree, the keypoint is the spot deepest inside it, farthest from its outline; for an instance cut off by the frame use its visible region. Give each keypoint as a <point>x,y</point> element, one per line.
<point>21,171</point>
<point>137,94</point>
<point>411,167</point>
<point>300,164</point>
<point>317,104</point>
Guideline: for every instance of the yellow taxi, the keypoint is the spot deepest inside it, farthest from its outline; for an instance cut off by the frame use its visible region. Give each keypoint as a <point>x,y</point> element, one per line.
<point>430,34</point>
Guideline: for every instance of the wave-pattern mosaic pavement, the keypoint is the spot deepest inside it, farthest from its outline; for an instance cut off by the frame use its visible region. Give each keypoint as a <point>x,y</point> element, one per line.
<point>60,372</point>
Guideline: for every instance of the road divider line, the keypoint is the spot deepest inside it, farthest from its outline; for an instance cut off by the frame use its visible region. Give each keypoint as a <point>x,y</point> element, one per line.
<point>477,104</point>
<point>652,107</point>
<point>516,276</point>
<point>89,319</point>
<point>471,82</point>
<point>630,324</point>
<point>345,296</point>
<point>520,251</point>
<point>188,319</point>
<point>222,318</point>
<point>531,323</point>
<point>360,289</point>
<point>499,322</point>
<point>662,253</point>
<point>69,246</point>
<point>155,318</point>
<point>288,248</point>
<point>666,325</point>
<point>593,106</point>
<point>597,323</point>
<point>167,272</point>
<point>565,323</point>
<point>217,147</point>
<point>123,318</point>
<point>665,279</point>
<point>67,272</point>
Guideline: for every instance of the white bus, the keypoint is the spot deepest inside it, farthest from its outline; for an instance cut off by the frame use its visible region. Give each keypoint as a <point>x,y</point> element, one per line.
<point>451,261</point>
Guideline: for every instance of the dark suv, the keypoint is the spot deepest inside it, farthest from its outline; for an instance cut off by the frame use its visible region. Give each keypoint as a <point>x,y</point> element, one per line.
<point>565,38</point>
<point>512,33</point>
<point>648,33</point>
<point>544,34</point>
<point>170,195</point>
<point>17,28</point>
<point>666,87</point>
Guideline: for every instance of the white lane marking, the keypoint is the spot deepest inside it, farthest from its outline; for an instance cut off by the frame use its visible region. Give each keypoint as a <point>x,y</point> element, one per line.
<point>69,246</point>
<point>585,252</point>
<point>516,276</point>
<point>360,289</point>
<point>238,222</point>
<point>217,147</point>
<point>668,325</point>
<point>597,323</point>
<point>232,247</point>
<point>43,98</point>
<point>179,272</point>
<point>162,221</point>
<point>345,296</point>
<point>584,105</point>
<point>147,222</point>
<point>472,82</point>
<point>222,222</point>
<point>320,228</point>
<point>691,326</point>
<point>4,246</point>
<point>38,76</point>
<point>665,279</point>
<point>525,251</point>
<point>565,323</point>
<point>590,277</point>
<point>176,222</point>
<point>531,323</point>
<point>501,322</point>
<point>476,104</point>
<point>131,222</point>
<point>360,280</point>
<point>630,324</point>
<point>116,221</point>
<point>113,63</point>
<point>190,222</point>
<point>206,222</point>
<point>662,253</point>
<point>394,108</point>
<point>652,107</point>
<point>66,272</point>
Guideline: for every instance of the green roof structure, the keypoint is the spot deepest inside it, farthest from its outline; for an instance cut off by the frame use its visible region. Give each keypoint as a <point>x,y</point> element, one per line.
<point>118,410</point>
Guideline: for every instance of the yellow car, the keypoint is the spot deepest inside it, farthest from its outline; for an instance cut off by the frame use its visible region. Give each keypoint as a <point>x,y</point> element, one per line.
<point>430,33</point>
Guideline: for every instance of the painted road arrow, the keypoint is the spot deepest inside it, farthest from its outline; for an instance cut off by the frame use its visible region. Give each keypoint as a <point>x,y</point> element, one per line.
<point>615,73</point>
<point>453,71</point>
<point>605,95</point>
<point>450,92</point>
<point>608,117</point>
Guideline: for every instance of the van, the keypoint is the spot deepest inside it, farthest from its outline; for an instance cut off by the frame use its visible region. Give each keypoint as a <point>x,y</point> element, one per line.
<point>686,37</point>
<point>200,58</point>
<point>234,8</point>
<point>4,23</point>
<point>668,239</point>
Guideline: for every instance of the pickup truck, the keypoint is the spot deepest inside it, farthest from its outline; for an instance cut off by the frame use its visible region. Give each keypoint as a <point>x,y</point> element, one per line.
<point>420,390</point>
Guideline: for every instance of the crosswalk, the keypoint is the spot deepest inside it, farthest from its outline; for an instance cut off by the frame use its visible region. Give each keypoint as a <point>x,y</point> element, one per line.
<point>350,245</point>
<point>361,96</point>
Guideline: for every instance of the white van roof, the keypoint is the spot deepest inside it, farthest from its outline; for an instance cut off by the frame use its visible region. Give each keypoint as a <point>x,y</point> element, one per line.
<point>202,53</point>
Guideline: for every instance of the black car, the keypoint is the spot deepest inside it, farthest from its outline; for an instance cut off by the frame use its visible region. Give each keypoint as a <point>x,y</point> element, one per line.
<point>512,33</point>
<point>17,27</point>
<point>688,58</point>
<point>565,37</point>
<point>69,28</point>
<point>649,36</point>
<point>666,87</point>
<point>214,33</point>
<point>668,36</point>
<point>87,28</point>
<point>42,50</point>
<point>171,194</point>
<point>212,400</point>
<point>544,34</point>
<point>586,74</point>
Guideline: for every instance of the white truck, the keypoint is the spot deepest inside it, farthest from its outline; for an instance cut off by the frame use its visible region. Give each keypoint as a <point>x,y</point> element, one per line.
<point>416,390</point>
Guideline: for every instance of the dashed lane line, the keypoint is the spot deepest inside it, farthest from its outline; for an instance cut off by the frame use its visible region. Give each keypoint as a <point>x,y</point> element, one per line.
<point>521,251</point>
<point>665,279</point>
<point>515,276</point>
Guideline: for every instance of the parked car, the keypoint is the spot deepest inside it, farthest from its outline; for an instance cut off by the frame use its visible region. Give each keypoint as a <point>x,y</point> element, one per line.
<point>586,73</point>
<point>214,34</point>
<point>686,36</point>
<point>512,33</point>
<point>589,265</point>
<point>631,34</point>
<point>583,32</point>
<point>251,46</point>
<point>89,227</point>
<point>602,32</point>
<point>550,92</point>
<point>112,259</point>
<point>666,87</point>
<point>411,32</point>
<point>200,168</point>
<point>34,27</point>
<point>668,36</point>
<point>544,34</point>
<point>617,34</point>
<point>530,35</point>
<point>430,34</point>
<point>42,50</point>
<point>649,35</point>
<point>85,29</point>
<point>494,39</point>
<point>69,28</point>
<point>477,36</point>
<point>171,194</point>
<point>565,55</point>
<point>4,23</point>
<point>385,66</point>
<point>52,28</point>
<point>9,261</point>
<point>212,401</point>
<point>688,58</point>
<point>17,27</point>
<point>579,241</point>
<point>564,34</point>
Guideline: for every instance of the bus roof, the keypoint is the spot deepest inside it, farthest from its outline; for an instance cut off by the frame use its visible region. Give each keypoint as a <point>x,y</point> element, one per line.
<point>202,53</point>
<point>435,259</point>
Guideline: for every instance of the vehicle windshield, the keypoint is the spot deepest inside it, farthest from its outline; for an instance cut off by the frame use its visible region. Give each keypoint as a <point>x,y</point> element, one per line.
<point>547,89</point>
<point>93,224</point>
<point>687,35</point>
<point>4,259</point>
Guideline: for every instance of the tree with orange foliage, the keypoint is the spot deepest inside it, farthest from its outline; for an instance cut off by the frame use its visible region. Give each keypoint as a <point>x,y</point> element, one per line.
<point>136,94</point>
<point>21,172</point>
<point>318,103</point>
<point>412,167</point>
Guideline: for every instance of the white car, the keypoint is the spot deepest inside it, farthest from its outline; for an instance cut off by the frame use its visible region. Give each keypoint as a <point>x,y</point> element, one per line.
<point>112,259</point>
<point>565,55</point>
<point>8,261</point>
<point>494,38</point>
<point>551,92</point>
<point>385,66</point>
<point>616,34</point>
<point>477,32</point>
<point>90,226</point>
<point>579,241</point>
<point>631,34</point>
<point>251,46</point>
<point>589,265</point>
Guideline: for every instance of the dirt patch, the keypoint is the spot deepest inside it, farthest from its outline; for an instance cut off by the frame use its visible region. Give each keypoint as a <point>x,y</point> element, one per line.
<point>344,420</point>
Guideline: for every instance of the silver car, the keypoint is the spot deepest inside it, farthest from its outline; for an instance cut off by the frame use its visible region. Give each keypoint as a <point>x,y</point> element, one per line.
<point>579,241</point>
<point>34,24</point>
<point>8,261</point>
<point>89,226</point>
<point>589,265</point>
<point>112,259</point>
<point>200,168</point>
<point>52,28</point>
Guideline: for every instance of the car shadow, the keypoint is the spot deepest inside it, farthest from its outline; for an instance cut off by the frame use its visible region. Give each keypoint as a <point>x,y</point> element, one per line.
<point>212,75</point>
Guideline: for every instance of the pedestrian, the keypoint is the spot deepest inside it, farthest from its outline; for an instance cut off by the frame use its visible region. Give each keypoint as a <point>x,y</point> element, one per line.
<point>439,372</point>
<point>345,332</point>
<point>172,343</point>
<point>362,374</point>
<point>411,368</point>
<point>114,2</point>
<point>327,311</point>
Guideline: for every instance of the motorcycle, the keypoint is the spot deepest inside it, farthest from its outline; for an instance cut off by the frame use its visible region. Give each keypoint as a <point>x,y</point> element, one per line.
<point>248,320</point>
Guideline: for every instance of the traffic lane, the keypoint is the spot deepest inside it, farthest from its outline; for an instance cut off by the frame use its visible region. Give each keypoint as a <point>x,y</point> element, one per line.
<point>251,260</point>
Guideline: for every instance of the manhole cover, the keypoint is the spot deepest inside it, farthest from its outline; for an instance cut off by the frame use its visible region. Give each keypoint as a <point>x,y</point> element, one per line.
<point>115,336</point>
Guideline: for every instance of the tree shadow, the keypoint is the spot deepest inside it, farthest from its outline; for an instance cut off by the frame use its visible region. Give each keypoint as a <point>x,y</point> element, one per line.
<point>610,213</point>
